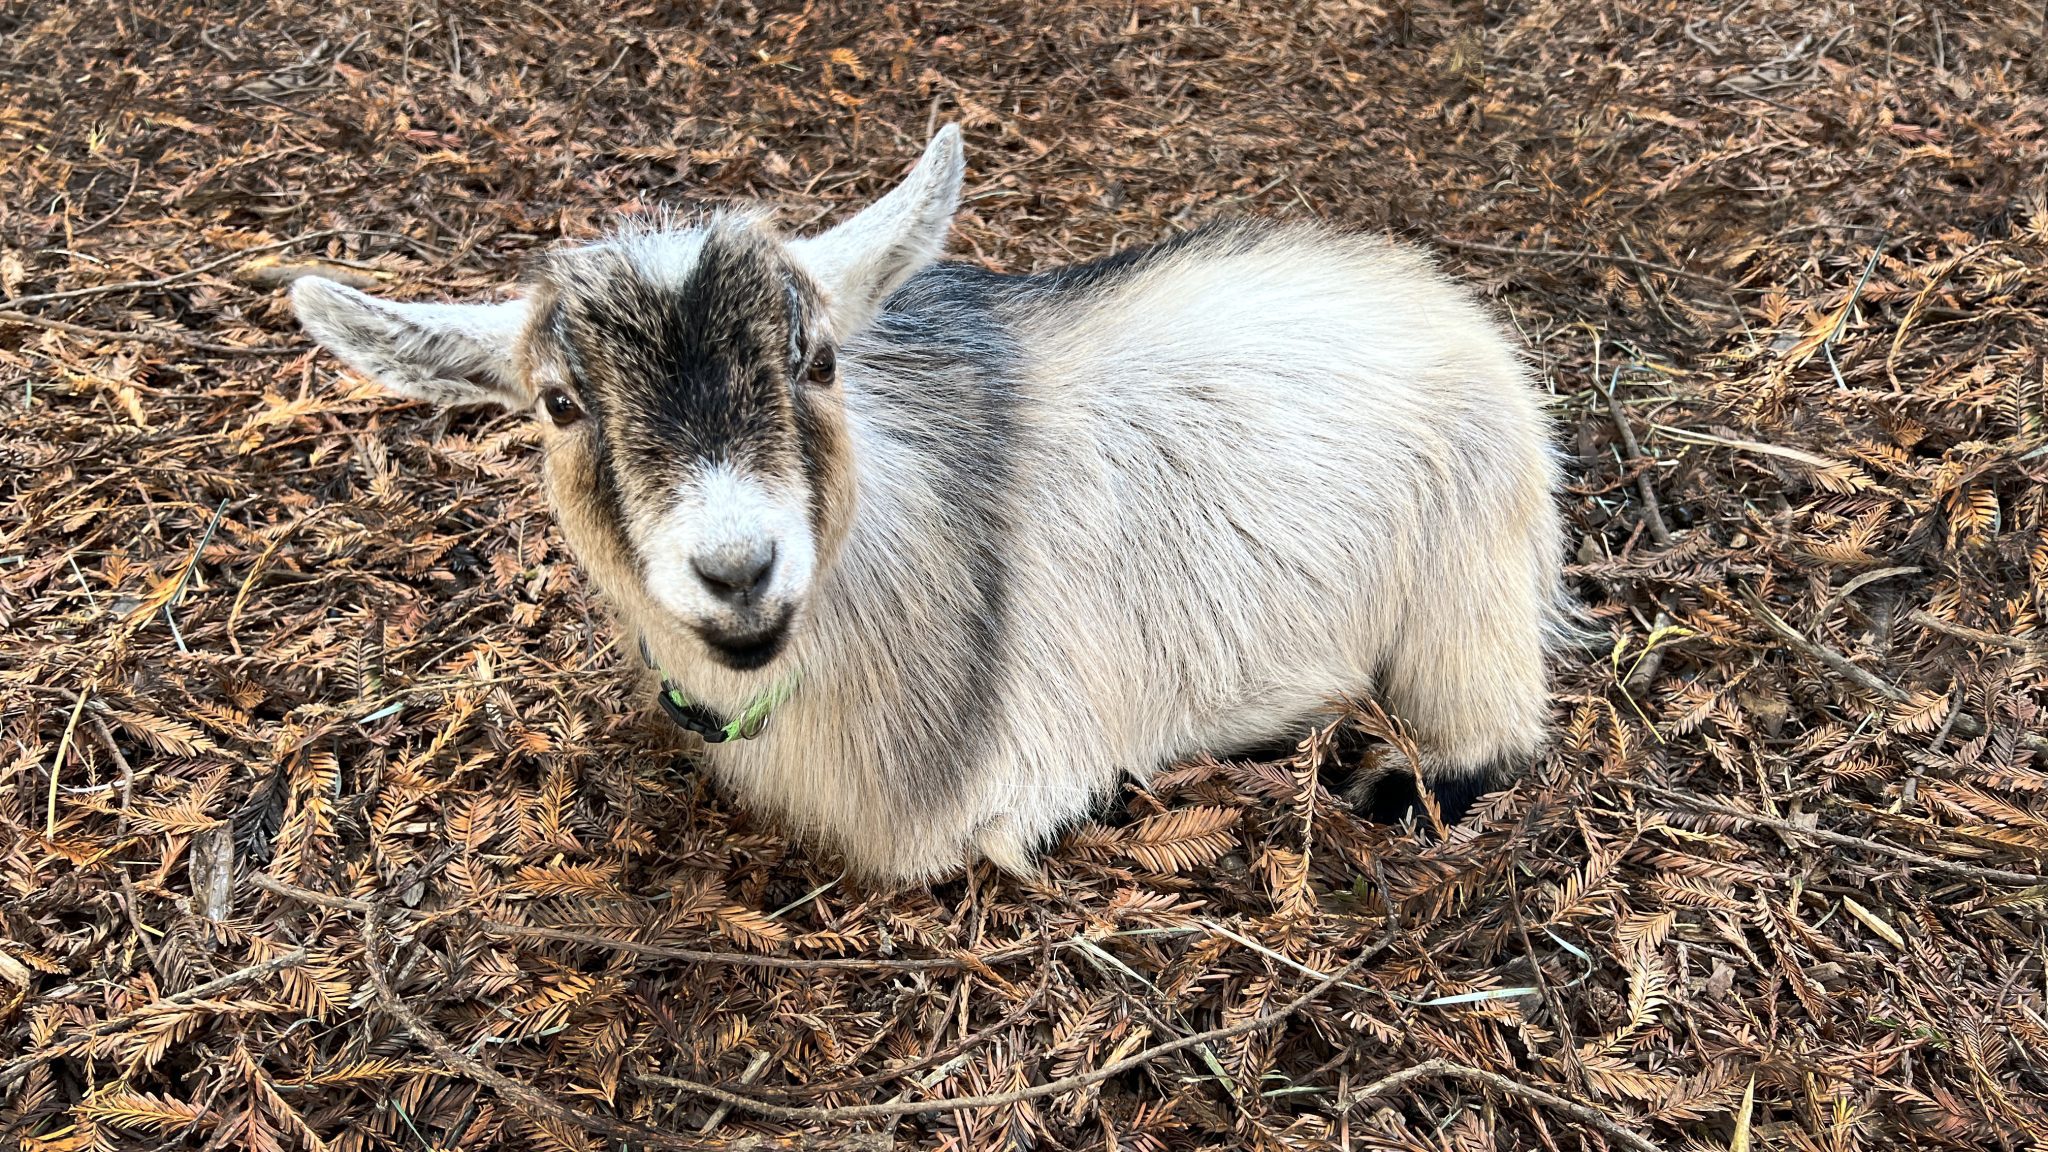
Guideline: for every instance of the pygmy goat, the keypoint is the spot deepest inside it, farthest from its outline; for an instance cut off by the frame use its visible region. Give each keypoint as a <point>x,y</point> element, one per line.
<point>933,556</point>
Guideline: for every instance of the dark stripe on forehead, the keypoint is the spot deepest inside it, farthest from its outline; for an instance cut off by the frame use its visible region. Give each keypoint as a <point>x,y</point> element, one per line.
<point>724,380</point>
<point>697,370</point>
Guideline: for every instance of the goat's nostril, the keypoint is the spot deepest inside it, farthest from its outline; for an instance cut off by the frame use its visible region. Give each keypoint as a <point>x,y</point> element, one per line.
<point>735,573</point>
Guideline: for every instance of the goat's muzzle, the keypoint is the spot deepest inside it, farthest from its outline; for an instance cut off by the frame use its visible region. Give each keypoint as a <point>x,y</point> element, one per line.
<point>752,640</point>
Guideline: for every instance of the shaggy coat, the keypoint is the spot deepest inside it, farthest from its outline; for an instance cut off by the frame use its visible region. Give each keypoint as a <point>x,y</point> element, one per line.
<point>1004,541</point>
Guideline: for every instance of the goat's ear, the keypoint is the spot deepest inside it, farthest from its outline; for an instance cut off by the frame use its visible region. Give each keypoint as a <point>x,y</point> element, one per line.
<point>862,260</point>
<point>444,353</point>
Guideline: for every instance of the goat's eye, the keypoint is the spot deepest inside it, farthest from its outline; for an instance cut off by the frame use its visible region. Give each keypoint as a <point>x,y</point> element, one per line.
<point>562,407</point>
<point>824,366</point>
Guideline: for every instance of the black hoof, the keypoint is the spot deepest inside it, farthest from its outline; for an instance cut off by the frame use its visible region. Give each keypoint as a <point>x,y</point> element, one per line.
<point>1390,799</point>
<point>1266,753</point>
<point>1112,811</point>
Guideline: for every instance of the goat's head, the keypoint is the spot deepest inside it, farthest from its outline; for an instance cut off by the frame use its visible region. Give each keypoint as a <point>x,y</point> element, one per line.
<point>685,383</point>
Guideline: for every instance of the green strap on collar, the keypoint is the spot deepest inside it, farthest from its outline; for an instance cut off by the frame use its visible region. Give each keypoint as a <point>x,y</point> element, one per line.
<point>701,719</point>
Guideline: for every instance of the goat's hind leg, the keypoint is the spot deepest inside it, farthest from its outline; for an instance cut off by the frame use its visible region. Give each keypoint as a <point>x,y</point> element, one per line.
<point>1469,680</point>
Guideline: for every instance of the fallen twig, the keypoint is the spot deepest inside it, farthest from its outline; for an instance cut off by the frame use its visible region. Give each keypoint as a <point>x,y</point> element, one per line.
<point>125,784</point>
<point>168,339</point>
<point>1840,839</point>
<point>753,1072</point>
<point>16,1069</point>
<point>1051,1088</point>
<point>1827,346</point>
<point>1633,454</point>
<point>189,273</point>
<point>1449,1070</point>
<point>1841,665</point>
<point>1651,661</point>
<point>1968,726</point>
<point>540,1105</point>
<point>1793,454</point>
<point>57,763</point>
<point>1935,623</point>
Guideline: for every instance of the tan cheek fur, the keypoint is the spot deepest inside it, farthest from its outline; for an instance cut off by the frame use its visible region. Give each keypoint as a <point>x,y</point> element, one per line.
<point>570,476</point>
<point>832,484</point>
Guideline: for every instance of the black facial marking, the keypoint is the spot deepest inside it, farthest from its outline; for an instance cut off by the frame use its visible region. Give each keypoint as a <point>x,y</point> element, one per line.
<point>811,436</point>
<point>752,650</point>
<point>610,501</point>
<point>688,372</point>
<point>603,492</point>
<point>714,386</point>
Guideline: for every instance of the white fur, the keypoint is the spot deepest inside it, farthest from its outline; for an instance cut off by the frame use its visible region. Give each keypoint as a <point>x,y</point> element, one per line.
<point>721,508</point>
<point>444,353</point>
<point>663,255</point>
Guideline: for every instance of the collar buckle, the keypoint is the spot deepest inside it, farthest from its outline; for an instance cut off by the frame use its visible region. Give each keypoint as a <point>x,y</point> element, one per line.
<point>691,715</point>
<point>715,729</point>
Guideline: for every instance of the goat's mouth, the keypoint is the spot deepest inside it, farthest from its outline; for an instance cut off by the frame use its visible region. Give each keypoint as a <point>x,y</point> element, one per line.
<point>744,650</point>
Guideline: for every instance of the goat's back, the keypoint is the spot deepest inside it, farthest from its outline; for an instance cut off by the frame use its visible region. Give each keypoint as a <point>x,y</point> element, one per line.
<point>1212,483</point>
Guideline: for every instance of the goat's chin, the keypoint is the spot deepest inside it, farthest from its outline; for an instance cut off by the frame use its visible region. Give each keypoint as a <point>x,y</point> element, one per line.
<point>750,646</point>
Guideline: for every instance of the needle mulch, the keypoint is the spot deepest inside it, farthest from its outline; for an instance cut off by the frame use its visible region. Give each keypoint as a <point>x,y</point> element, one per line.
<point>330,818</point>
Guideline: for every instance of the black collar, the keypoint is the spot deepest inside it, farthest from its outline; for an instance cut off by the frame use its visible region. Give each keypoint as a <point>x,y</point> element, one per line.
<point>716,729</point>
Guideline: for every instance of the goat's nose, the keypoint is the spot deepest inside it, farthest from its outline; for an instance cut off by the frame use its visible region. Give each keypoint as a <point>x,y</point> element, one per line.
<point>736,571</point>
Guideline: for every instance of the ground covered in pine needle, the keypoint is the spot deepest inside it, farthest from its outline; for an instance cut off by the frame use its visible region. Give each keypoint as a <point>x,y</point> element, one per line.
<point>328,818</point>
